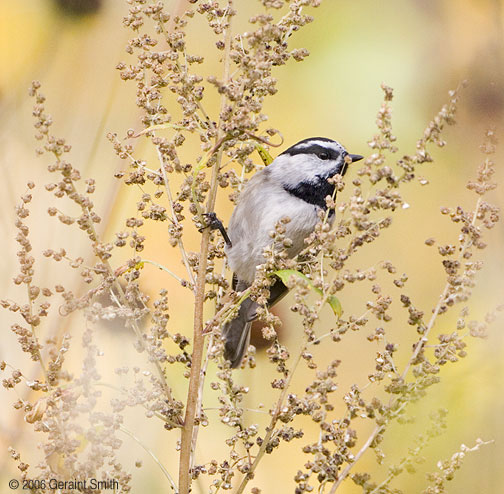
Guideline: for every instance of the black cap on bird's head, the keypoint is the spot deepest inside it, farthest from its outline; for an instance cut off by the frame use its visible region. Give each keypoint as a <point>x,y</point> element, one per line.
<point>323,148</point>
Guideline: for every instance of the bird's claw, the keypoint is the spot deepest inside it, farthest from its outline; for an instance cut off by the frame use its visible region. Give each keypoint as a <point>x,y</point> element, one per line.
<point>215,223</point>
<point>212,221</point>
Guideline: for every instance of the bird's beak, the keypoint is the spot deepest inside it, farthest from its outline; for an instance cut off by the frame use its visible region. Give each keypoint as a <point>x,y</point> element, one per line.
<point>355,157</point>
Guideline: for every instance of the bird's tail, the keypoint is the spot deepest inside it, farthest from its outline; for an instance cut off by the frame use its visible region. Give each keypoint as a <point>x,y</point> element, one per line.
<point>236,333</point>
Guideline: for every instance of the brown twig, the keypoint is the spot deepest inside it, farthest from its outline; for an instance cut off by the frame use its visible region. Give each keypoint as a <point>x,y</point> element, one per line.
<point>180,243</point>
<point>420,344</point>
<point>346,471</point>
<point>273,422</point>
<point>187,436</point>
<point>265,141</point>
<point>274,419</point>
<point>418,348</point>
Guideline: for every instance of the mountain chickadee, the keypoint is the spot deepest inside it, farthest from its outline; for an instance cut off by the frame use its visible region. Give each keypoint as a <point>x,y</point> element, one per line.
<point>295,184</point>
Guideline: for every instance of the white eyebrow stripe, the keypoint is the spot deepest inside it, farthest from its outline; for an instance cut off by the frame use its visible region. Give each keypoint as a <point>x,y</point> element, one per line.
<point>305,144</point>
<point>336,146</point>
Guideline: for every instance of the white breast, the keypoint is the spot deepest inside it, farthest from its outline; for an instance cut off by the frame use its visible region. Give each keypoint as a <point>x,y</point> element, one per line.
<point>253,219</point>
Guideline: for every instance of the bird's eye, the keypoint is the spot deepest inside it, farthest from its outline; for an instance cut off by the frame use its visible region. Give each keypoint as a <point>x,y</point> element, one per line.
<point>323,155</point>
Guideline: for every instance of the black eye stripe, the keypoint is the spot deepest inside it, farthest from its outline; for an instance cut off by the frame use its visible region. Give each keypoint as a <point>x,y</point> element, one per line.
<point>316,149</point>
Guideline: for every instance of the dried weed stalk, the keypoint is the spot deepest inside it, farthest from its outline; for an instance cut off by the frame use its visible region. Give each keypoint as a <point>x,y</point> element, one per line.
<point>81,442</point>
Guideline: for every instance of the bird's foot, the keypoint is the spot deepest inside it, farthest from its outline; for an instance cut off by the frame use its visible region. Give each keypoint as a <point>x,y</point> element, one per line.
<point>215,223</point>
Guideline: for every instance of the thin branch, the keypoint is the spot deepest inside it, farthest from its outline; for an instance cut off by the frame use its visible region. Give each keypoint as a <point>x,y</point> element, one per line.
<point>187,439</point>
<point>264,140</point>
<point>163,268</point>
<point>180,244</point>
<point>199,404</point>
<point>34,334</point>
<point>419,346</point>
<point>274,420</point>
<point>344,474</point>
<point>153,456</point>
<point>123,301</point>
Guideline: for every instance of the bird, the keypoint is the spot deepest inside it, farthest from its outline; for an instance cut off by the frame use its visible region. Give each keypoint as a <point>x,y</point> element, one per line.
<point>294,185</point>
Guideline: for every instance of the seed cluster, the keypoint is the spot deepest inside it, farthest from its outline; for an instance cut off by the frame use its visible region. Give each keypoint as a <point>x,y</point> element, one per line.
<point>199,152</point>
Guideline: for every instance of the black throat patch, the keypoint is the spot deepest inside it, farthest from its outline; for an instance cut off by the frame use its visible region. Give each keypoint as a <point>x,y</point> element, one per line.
<point>312,193</point>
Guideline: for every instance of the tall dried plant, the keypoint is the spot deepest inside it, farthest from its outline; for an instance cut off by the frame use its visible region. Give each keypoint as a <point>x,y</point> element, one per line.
<point>80,441</point>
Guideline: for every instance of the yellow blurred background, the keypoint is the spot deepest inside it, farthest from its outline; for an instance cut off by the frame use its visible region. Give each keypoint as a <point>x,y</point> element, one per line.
<point>422,48</point>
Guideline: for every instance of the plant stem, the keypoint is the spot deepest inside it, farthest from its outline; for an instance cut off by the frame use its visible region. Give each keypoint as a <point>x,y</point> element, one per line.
<point>199,404</point>
<point>346,471</point>
<point>180,244</point>
<point>93,235</point>
<point>274,419</point>
<point>194,379</point>
<point>442,299</point>
<point>283,394</point>
<point>418,347</point>
<point>153,456</point>
<point>35,337</point>
<point>187,439</point>
<point>163,268</point>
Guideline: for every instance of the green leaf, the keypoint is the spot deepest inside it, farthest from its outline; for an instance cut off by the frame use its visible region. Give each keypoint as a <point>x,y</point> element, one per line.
<point>335,304</point>
<point>264,154</point>
<point>285,274</point>
<point>332,300</point>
